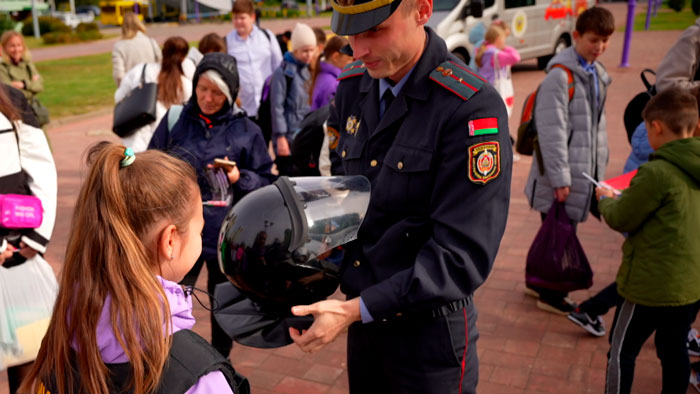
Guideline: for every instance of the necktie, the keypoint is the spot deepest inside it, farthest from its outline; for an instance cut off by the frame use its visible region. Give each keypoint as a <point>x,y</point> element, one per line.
<point>387,98</point>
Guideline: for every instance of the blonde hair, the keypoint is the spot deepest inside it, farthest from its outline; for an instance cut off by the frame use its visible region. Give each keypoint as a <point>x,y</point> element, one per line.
<point>494,31</point>
<point>5,38</point>
<point>131,26</point>
<point>109,253</point>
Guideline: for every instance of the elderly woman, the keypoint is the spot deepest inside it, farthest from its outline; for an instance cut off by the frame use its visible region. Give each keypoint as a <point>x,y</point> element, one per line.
<point>207,128</point>
<point>135,47</point>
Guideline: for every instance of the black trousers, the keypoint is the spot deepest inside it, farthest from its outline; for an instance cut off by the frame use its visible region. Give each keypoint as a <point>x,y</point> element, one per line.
<point>415,355</point>
<point>602,302</point>
<point>632,326</point>
<point>219,339</point>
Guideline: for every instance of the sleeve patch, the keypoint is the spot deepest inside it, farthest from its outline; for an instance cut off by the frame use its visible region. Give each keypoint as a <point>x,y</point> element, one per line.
<point>484,126</point>
<point>484,162</point>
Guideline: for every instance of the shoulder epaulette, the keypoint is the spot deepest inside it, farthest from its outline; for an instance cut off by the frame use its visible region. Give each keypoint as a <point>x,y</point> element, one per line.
<point>457,79</point>
<point>353,69</point>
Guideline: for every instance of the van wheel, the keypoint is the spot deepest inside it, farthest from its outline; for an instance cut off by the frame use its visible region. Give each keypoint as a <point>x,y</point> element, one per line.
<point>462,54</point>
<point>562,43</point>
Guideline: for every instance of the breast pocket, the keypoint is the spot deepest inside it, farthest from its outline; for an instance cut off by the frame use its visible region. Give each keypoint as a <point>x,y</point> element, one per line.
<point>406,179</point>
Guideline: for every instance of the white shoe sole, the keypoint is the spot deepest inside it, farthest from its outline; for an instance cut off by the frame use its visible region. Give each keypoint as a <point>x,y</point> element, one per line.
<point>585,326</point>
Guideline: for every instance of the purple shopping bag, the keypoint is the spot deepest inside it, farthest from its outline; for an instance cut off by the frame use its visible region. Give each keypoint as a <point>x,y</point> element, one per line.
<point>556,260</point>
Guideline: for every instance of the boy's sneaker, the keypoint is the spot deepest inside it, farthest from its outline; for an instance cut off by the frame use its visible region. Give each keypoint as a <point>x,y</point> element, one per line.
<point>561,306</point>
<point>594,326</point>
<point>693,342</point>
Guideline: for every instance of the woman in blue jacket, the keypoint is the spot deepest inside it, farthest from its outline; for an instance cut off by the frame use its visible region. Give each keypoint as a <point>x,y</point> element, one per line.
<point>210,127</point>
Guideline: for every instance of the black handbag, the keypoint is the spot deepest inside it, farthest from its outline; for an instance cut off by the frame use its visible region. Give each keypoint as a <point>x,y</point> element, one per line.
<point>137,109</point>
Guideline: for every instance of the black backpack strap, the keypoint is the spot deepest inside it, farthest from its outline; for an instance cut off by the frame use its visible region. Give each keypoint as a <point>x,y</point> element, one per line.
<point>191,357</point>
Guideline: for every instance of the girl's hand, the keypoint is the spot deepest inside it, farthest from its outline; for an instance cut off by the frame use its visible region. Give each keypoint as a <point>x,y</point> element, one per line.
<point>6,254</point>
<point>17,84</point>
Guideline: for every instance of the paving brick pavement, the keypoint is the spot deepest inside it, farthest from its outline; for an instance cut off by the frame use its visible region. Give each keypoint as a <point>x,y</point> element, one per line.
<point>521,349</point>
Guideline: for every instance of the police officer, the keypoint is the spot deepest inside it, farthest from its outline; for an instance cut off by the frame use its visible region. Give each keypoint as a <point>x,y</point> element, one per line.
<point>432,138</point>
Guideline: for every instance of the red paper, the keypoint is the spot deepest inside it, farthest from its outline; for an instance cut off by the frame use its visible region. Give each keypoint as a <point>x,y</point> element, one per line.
<point>621,182</point>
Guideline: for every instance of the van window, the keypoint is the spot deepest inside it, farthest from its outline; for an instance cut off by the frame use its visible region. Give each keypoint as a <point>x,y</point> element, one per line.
<point>519,3</point>
<point>490,3</point>
<point>446,5</point>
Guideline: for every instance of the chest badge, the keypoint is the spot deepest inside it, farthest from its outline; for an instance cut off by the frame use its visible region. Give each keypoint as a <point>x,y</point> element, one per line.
<point>352,125</point>
<point>484,162</point>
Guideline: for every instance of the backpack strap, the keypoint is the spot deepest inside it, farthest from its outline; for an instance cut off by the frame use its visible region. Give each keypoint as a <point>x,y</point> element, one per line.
<point>174,115</point>
<point>191,357</point>
<point>569,79</point>
<point>354,69</point>
<point>457,79</point>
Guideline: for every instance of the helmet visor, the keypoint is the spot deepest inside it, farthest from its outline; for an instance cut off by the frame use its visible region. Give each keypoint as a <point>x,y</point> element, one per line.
<point>334,208</point>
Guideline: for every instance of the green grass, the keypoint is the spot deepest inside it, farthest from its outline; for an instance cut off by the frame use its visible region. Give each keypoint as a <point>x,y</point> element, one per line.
<point>665,19</point>
<point>77,85</point>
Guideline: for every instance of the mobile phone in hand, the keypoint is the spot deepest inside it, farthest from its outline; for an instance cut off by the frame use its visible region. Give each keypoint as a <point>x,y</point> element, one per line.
<point>227,164</point>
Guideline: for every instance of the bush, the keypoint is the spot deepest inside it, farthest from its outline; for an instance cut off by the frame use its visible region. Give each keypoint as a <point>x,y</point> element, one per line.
<point>47,24</point>
<point>87,27</point>
<point>89,35</point>
<point>676,5</point>
<point>695,5</point>
<point>59,37</point>
<point>6,23</point>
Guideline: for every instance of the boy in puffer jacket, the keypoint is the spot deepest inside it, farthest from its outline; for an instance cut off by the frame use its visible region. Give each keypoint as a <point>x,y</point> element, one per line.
<point>661,257</point>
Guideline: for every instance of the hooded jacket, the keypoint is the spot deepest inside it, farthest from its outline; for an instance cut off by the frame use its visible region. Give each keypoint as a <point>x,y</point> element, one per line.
<point>199,139</point>
<point>326,85</point>
<point>572,136</point>
<point>661,212</point>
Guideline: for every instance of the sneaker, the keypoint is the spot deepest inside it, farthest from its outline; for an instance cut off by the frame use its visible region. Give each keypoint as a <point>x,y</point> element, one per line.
<point>562,306</point>
<point>693,342</point>
<point>694,379</point>
<point>594,326</point>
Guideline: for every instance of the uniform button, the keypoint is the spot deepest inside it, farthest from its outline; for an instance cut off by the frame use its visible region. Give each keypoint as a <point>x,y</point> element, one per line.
<point>356,263</point>
<point>343,153</point>
<point>373,163</point>
<point>400,165</point>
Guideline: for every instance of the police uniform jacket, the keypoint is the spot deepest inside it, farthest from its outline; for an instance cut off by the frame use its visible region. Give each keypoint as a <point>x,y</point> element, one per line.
<point>440,196</point>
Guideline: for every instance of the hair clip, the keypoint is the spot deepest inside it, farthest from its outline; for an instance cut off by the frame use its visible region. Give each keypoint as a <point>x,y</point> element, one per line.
<point>128,158</point>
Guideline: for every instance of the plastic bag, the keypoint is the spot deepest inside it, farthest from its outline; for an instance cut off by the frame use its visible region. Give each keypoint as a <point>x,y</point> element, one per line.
<point>503,83</point>
<point>27,295</point>
<point>556,260</point>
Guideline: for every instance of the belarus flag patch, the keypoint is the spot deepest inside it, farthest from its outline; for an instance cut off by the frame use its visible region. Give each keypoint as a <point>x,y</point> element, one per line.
<point>484,126</point>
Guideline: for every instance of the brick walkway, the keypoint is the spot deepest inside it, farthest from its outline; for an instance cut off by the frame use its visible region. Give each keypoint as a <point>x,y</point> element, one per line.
<point>521,349</point>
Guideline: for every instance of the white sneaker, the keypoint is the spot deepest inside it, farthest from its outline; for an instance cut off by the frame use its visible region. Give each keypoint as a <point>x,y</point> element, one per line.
<point>694,380</point>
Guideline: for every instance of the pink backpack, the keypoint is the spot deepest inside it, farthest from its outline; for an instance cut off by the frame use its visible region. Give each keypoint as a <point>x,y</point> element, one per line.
<point>19,211</point>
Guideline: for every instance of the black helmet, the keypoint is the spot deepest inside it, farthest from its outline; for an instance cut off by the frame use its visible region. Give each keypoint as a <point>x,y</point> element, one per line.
<point>277,244</point>
<point>355,17</point>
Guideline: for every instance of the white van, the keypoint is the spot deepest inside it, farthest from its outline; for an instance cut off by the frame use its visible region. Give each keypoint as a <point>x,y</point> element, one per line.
<point>539,28</point>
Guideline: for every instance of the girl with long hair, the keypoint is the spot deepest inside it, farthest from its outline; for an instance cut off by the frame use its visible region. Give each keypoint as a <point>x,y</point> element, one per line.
<point>135,234</point>
<point>174,79</point>
<point>17,68</point>
<point>324,77</point>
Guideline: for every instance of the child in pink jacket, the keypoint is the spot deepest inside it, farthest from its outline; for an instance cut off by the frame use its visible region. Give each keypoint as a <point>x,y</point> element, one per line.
<point>494,59</point>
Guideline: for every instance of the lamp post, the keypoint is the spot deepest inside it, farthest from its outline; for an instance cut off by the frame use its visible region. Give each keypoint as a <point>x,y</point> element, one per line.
<point>35,20</point>
<point>631,4</point>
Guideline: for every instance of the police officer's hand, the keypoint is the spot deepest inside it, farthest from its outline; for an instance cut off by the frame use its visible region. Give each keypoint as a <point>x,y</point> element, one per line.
<point>283,147</point>
<point>331,317</point>
<point>562,193</point>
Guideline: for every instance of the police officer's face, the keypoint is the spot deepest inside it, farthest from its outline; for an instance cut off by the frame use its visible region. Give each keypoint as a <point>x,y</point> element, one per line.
<point>391,48</point>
